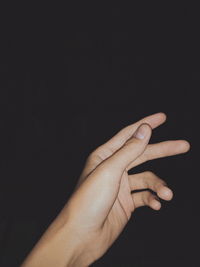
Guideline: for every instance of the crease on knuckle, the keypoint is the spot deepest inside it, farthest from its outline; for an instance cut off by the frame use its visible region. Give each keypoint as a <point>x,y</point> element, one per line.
<point>149,173</point>
<point>93,156</point>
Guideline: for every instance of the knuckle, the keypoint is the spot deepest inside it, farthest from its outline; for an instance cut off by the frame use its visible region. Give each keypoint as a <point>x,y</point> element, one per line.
<point>89,158</point>
<point>162,182</point>
<point>148,173</point>
<point>146,197</point>
<point>93,155</point>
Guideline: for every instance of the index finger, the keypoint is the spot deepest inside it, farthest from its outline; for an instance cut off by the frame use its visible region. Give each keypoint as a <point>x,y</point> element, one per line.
<point>118,140</point>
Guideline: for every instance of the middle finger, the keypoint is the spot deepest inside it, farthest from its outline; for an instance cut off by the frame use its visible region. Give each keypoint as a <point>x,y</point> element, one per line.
<point>160,150</point>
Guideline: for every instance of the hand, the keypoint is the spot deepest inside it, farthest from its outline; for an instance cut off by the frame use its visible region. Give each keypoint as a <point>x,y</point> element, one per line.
<point>102,202</point>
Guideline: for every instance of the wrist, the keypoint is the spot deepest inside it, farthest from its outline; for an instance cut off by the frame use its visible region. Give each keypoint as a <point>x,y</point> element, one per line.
<point>59,246</point>
<point>74,243</point>
<point>71,243</point>
<point>77,254</point>
<point>70,247</point>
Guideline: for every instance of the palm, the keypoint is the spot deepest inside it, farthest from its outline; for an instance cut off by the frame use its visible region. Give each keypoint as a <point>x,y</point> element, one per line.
<point>121,210</point>
<point>124,205</point>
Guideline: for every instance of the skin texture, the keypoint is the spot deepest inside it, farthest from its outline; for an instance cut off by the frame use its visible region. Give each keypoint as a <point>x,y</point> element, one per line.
<point>103,202</point>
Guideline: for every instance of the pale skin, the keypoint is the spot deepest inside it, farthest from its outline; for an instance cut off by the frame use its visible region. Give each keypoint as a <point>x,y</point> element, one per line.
<point>103,202</point>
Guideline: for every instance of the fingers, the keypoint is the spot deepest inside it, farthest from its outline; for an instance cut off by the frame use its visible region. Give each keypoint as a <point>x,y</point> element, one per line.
<point>132,149</point>
<point>149,180</point>
<point>154,151</point>
<point>116,142</point>
<point>146,198</point>
<point>160,150</point>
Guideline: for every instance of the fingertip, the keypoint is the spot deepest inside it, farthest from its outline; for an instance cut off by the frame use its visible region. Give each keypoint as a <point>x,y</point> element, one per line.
<point>186,146</point>
<point>165,193</point>
<point>181,146</point>
<point>163,116</point>
<point>156,205</point>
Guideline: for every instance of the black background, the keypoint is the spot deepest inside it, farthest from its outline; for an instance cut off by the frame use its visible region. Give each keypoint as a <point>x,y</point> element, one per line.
<point>71,77</point>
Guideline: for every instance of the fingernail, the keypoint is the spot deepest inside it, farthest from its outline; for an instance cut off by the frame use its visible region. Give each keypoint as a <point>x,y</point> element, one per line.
<point>141,132</point>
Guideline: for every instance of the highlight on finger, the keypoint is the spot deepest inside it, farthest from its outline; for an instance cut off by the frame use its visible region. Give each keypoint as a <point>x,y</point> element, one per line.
<point>155,203</point>
<point>165,193</point>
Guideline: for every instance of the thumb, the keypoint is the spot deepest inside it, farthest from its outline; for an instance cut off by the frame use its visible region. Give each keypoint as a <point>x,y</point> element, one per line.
<point>132,149</point>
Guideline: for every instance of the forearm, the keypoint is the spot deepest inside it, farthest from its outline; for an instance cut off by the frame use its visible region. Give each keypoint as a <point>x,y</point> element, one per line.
<point>59,246</point>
